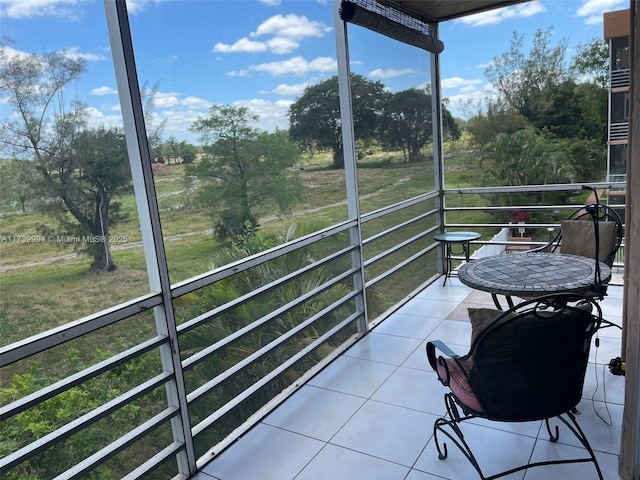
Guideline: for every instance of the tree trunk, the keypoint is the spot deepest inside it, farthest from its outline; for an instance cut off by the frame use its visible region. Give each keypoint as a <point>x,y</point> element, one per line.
<point>338,156</point>
<point>99,248</point>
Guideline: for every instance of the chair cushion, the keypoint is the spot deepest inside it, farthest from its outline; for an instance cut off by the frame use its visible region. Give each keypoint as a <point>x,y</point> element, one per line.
<point>458,383</point>
<point>578,238</point>
<point>479,318</point>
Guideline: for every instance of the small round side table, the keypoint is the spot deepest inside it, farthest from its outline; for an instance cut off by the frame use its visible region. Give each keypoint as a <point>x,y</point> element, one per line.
<point>449,239</point>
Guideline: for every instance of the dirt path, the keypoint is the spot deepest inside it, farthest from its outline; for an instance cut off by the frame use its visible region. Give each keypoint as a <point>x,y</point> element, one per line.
<point>172,238</point>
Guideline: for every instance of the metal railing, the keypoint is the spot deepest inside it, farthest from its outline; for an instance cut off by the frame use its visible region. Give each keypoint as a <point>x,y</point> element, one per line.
<point>236,378</point>
<point>265,359</point>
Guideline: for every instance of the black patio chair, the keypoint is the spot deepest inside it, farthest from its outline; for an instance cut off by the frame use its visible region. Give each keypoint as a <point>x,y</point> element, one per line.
<point>577,236</point>
<point>526,364</point>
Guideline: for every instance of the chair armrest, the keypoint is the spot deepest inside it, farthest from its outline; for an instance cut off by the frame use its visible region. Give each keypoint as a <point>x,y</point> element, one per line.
<point>431,352</point>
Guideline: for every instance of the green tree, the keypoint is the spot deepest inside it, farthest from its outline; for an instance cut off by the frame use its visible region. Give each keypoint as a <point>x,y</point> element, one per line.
<point>187,152</point>
<point>406,122</point>
<point>591,61</point>
<point>315,116</point>
<point>490,119</point>
<point>228,324</point>
<point>17,181</point>
<point>518,76</point>
<point>524,158</point>
<point>243,169</point>
<point>82,167</point>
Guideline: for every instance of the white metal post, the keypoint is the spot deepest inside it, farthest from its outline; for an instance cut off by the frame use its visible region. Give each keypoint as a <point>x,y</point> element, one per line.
<point>350,166</point>
<point>438,155</point>
<point>149,217</point>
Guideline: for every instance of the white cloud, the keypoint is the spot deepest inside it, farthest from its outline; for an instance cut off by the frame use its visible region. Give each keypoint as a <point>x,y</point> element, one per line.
<point>104,91</point>
<point>593,9</point>
<point>67,9</point>
<point>74,54</point>
<point>457,82</point>
<point>286,34</point>
<point>282,45</point>
<point>390,73</point>
<point>272,114</point>
<point>244,45</point>
<point>291,26</point>
<point>291,90</point>
<point>12,53</point>
<point>493,17</point>
<point>271,3</point>
<point>136,6</point>
<point>293,66</point>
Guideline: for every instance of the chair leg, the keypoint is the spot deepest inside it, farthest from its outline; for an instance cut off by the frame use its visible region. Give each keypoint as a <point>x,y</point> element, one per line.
<point>573,426</point>
<point>453,421</point>
<point>449,425</point>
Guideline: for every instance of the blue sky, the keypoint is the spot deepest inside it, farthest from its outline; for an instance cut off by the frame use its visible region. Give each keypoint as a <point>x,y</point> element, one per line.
<point>261,54</point>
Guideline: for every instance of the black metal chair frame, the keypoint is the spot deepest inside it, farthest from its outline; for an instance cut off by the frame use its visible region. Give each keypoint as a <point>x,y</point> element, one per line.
<point>457,412</point>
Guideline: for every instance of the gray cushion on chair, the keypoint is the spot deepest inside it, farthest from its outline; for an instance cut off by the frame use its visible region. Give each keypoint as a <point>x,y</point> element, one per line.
<point>578,238</point>
<point>479,318</point>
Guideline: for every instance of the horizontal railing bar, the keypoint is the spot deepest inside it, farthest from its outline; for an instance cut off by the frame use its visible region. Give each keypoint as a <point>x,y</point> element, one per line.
<point>258,354</point>
<point>397,227</point>
<point>367,217</point>
<point>554,187</point>
<point>207,422</point>
<point>193,323</point>
<point>247,263</point>
<point>155,461</point>
<point>56,336</point>
<point>238,334</point>
<point>400,265</point>
<point>89,418</point>
<point>7,411</point>
<point>111,450</point>
<point>398,246</point>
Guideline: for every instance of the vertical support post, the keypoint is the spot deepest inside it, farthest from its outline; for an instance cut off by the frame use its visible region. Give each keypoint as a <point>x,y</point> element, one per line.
<point>350,167</point>
<point>438,141</point>
<point>149,217</point>
<point>629,465</point>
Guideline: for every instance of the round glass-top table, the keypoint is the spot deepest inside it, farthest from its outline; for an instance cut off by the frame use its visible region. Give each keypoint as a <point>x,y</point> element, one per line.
<point>532,274</point>
<point>449,239</point>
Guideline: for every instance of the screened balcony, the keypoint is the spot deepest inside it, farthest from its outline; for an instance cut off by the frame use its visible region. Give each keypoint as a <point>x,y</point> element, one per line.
<point>201,365</point>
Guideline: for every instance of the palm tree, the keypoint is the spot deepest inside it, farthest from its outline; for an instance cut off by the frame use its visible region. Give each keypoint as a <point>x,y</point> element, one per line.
<point>224,325</point>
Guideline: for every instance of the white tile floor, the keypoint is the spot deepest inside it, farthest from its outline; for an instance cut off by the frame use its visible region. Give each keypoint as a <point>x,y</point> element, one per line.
<point>369,415</point>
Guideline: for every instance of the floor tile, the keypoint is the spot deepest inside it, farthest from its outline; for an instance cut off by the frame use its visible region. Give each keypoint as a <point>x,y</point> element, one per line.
<point>415,389</point>
<point>427,308</point>
<point>383,348</point>
<point>353,376</point>
<point>275,454</point>
<point>452,332</point>
<point>338,463</point>
<point>410,326</point>
<point>593,420</point>
<point>605,386</point>
<point>386,431</point>
<point>453,291</point>
<point>202,476</point>
<point>418,359</point>
<point>495,451</point>
<point>545,451</point>
<point>417,475</point>
<point>315,412</point>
